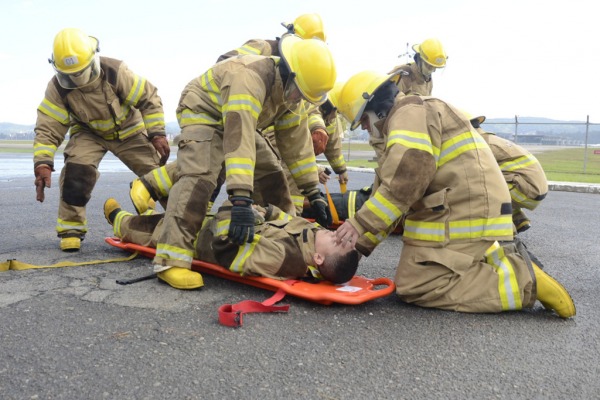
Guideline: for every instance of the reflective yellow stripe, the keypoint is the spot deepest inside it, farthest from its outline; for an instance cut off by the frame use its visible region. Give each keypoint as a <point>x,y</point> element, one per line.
<point>40,150</point>
<point>519,163</point>
<point>63,226</point>
<point>136,91</point>
<point>123,134</point>
<point>521,199</point>
<point>152,120</point>
<point>55,112</point>
<point>315,272</point>
<point>303,167</point>
<point>428,231</point>
<point>375,239</point>
<point>188,117</point>
<point>223,227</point>
<point>117,222</point>
<point>284,216</point>
<point>242,102</point>
<point>352,203</point>
<point>208,84</point>
<point>383,209</point>
<point>315,120</point>
<point>298,201</point>
<point>237,265</point>
<point>338,162</point>
<point>479,228</point>
<point>239,166</point>
<point>508,287</point>
<point>163,181</point>
<point>247,49</point>
<point>169,252</point>
<point>412,140</point>
<point>288,121</point>
<point>460,144</point>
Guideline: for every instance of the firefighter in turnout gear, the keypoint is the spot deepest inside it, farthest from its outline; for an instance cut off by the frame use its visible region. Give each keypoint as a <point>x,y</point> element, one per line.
<point>439,177</point>
<point>523,173</point>
<point>105,107</point>
<point>219,114</point>
<point>284,246</point>
<point>416,78</point>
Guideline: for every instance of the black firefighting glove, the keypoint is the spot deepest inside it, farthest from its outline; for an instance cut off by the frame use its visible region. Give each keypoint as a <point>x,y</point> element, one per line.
<point>321,209</point>
<point>241,227</point>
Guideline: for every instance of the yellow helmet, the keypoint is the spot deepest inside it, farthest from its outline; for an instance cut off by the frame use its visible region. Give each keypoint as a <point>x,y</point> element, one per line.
<point>432,52</point>
<point>311,65</point>
<point>307,26</point>
<point>357,92</point>
<point>73,53</point>
<point>334,94</point>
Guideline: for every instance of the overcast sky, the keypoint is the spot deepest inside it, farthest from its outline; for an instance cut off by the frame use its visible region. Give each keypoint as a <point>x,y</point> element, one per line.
<point>523,57</point>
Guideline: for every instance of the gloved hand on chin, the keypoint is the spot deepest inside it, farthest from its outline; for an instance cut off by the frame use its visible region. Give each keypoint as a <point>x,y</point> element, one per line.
<point>241,227</point>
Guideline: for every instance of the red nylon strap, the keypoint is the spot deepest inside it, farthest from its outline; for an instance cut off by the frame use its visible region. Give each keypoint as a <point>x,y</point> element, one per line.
<point>233,314</point>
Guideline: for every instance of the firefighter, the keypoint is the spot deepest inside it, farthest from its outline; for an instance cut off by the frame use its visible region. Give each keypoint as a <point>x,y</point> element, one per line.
<point>441,176</point>
<point>105,107</point>
<point>523,173</point>
<point>219,114</point>
<point>289,247</point>
<point>416,77</point>
<point>305,26</point>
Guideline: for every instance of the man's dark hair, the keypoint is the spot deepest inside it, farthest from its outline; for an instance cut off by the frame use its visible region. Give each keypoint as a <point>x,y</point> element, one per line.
<point>383,99</point>
<point>340,268</point>
<point>284,71</point>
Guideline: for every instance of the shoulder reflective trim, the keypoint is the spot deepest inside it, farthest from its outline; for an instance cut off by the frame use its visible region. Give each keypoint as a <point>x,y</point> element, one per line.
<point>152,120</point>
<point>460,144</point>
<point>242,102</point>
<point>188,117</point>
<point>519,163</point>
<point>210,87</point>
<point>352,203</point>
<point>55,112</point>
<point>63,226</point>
<point>125,133</point>
<point>169,252</point>
<point>521,199</point>
<point>508,287</point>
<point>118,220</point>
<point>163,181</point>
<point>303,167</point>
<point>239,166</point>
<point>314,271</point>
<point>427,231</point>
<point>40,149</point>
<point>223,227</point>
<point>247,49</point>
<point>136,91</point>
<point>245,251</point>
<point>383,209</point>
<point>412,140</point>
<point>481,227</point>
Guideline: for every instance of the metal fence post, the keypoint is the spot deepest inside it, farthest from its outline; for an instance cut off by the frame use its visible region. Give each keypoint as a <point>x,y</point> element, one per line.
<point>587,128</point>
<point>516,128</point>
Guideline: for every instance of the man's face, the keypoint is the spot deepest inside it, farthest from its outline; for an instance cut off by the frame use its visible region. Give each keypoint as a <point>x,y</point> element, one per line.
<point>427,69</point>
<point>365,122</point>
<point>292,95</point>
<point>325,244</point>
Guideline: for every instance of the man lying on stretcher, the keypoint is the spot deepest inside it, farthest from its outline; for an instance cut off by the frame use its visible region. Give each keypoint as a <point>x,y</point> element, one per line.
<point>284,247</point>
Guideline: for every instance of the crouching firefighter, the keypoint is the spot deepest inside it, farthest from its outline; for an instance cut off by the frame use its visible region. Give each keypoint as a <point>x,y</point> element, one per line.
<point>105,107</point>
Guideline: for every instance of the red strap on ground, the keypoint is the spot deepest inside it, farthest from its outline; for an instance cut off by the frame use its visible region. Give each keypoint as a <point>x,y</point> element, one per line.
<point>233,314</point>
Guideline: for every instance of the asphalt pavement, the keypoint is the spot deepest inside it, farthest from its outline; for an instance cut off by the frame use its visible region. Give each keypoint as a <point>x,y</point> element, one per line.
<point>73,333</point>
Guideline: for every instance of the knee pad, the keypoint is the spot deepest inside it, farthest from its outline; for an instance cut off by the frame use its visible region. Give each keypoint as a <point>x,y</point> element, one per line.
<point>79,181</point>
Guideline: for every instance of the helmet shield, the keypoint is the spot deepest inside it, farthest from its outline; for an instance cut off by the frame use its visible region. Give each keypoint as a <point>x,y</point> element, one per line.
<point>81,78</point>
